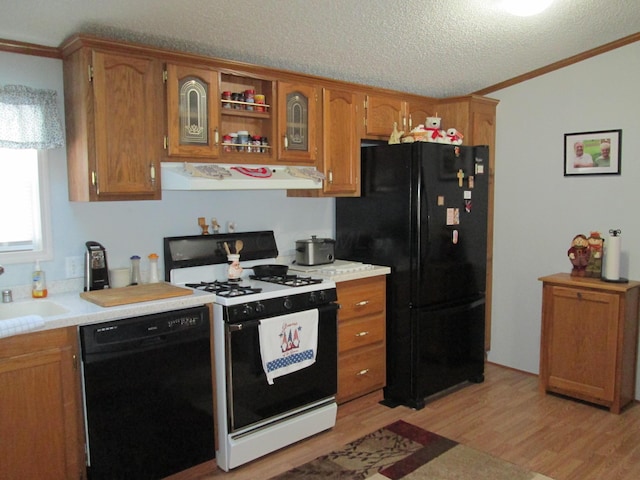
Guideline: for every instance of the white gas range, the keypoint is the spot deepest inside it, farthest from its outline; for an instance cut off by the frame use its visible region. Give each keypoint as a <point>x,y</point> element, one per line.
<point>257,414</point>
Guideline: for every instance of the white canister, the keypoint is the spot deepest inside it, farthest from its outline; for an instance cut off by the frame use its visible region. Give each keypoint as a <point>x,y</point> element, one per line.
<point>118,277</point>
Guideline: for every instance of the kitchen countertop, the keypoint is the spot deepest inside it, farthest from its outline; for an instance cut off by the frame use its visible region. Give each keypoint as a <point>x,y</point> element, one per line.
<point>83,312</point>
<point>341,270</point>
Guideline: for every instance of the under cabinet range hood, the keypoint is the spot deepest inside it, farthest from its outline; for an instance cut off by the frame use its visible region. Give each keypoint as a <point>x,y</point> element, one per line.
<point>210,176</point>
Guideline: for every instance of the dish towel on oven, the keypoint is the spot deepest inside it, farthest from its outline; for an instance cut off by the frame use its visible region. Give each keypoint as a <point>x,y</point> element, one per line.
<point>288,343</point>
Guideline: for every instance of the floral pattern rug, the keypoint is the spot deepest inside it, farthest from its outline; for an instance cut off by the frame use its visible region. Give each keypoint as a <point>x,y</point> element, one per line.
<point>403,451</point>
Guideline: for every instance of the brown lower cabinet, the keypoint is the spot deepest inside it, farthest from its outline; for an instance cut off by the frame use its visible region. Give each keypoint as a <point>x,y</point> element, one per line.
<point>589,339</point>
<point>361,337</point>
<point>40,412</point>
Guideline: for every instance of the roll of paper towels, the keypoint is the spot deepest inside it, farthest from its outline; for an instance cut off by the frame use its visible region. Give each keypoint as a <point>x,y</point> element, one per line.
<point>613,248</point>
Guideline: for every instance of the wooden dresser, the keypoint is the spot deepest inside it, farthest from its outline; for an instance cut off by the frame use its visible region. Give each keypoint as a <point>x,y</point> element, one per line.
<point>588,346</point>
<point>361,337</point>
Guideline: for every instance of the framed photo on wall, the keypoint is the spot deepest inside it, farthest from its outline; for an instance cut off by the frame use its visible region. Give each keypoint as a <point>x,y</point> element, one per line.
<point>593,153</point>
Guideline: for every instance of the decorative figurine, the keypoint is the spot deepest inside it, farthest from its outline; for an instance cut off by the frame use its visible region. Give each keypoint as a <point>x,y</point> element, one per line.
<point>594,265</point>
<point>203,225</point>
<point>215,226</point>
<point>579,255</point>
<point>395,135</point>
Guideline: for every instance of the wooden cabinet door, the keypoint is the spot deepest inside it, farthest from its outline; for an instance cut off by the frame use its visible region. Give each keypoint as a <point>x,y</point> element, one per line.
<point>417,113</point>
<point>127,98</point>
<point>381,112</point>
<point>582,342</point>
<point>341,148</point>
<point>299,123</point>
<point>192,112</point>
<point>39,408</point>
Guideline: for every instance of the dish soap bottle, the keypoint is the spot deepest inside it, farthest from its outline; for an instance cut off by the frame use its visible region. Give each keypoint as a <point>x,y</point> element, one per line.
<point>38,282</point>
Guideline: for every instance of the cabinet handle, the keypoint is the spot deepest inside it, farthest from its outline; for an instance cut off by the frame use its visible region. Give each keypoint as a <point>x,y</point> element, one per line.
<point>330,176</point>
<point>362,303</point>
<point>216,137</point>
<point>361,334</point>
<point>362,372</point>
<point>286,142</point>
<point>152,173</point>
<point>94,181</point>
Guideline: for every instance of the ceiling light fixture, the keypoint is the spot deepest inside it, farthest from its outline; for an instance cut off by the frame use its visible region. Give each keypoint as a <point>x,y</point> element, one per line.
<point>525,8</point>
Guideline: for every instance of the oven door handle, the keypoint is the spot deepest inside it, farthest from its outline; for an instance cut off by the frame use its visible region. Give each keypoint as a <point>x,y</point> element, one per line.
<point>236,327</point>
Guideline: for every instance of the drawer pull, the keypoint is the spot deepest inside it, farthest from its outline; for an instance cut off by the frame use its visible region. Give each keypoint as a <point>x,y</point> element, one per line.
<point>362,334</point>
<point>362,303</point>
<point>362,372</point>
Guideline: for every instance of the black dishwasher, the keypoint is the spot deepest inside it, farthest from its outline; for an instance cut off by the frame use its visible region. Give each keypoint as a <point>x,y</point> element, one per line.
<point>148,395</point>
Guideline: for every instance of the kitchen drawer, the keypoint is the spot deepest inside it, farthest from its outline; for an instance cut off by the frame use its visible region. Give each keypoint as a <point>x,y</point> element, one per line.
<point>358,298</point>
<point>361,372</point>
<point>361,332</point>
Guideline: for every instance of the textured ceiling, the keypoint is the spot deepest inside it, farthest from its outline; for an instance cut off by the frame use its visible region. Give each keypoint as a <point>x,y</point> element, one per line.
<point>437,48</point>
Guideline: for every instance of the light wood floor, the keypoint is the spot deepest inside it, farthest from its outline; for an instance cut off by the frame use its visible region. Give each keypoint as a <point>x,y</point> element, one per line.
<point>505,416</point>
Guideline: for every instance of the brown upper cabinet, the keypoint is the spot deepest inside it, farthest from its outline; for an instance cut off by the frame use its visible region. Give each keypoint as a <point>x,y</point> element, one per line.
<point>113,105</point>
<point>380,113</point>
<point>299,123</point>
<point>130,106</point>
<point>341,139</point>
<point>192,112</point>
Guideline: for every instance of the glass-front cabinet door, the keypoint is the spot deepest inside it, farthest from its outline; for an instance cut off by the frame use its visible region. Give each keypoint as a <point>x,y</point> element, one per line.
<point>298,122</point>
<point>192,112</point>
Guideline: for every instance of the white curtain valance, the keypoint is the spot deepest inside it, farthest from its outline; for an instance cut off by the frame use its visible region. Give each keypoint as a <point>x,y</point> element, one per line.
<point>29,118</point>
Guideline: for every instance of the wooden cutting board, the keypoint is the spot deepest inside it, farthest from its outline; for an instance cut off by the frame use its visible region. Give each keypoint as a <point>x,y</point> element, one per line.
<point>111,297</point>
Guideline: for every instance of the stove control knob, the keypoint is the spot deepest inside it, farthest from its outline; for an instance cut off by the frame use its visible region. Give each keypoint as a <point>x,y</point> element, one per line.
<point>247,310</point>
<point>260,308</point>
<point>288,304</point>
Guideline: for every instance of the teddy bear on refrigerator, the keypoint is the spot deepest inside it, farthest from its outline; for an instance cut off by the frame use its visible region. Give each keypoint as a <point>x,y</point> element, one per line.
<point>434,133</point>
<point>454,137</point>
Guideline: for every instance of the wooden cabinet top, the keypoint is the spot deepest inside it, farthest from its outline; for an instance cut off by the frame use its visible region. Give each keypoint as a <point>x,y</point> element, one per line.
<point>565,279</point>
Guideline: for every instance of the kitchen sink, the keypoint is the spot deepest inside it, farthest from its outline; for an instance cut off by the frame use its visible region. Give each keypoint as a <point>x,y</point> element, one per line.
<point>44,308</point>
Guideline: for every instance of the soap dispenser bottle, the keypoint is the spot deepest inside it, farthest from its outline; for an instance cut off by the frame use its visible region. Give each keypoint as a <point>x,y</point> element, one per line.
<point>38,282</point>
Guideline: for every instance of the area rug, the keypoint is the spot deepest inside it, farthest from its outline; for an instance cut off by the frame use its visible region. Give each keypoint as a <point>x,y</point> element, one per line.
<point>404,451</point>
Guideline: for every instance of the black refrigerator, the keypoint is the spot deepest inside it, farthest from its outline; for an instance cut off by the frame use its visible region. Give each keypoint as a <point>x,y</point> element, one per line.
<point>423,212</point>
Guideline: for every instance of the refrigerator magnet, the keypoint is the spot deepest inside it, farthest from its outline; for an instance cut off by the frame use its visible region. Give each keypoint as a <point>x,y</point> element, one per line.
<point>453,216</point>
<point>470,181</point>
<point>460,176</point>
<point>479,169</point>
<point>467,205</point>
<point>440,200</point>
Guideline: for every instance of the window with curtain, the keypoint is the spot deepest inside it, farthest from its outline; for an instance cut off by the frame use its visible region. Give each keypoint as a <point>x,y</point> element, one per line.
<point>29,125</point>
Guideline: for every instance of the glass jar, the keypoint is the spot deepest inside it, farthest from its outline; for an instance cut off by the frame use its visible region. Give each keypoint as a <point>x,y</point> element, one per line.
<point>227,97</point>
<point>260,101</point>
<point>243,140</point>
<point>249,98</point>
<point>227,140</point>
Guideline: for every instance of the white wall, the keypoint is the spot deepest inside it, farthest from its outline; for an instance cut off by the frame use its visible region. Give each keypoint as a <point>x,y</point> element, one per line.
<point>537,209</point>
<point>137,228</point>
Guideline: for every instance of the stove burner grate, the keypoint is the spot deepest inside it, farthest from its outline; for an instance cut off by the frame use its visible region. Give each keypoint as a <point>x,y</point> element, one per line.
<point>224,289</point>
<point>288,280</point>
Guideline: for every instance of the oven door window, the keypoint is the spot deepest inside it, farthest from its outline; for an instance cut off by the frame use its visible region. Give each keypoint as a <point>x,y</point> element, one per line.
<point>253,399</point>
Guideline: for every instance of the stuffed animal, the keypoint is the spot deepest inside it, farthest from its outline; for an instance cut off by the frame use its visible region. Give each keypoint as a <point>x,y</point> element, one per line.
<point>594,265</point>
<point>435,133</point>
<point>454,137</point>
<point>579,255</point>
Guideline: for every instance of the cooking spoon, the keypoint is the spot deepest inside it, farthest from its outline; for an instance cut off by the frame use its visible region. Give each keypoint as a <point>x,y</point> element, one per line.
<point>239,245</point>
<point>226,248</point>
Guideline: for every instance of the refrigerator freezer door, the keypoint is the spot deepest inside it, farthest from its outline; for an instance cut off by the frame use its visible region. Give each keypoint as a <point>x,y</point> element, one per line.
<point>433,350</point>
